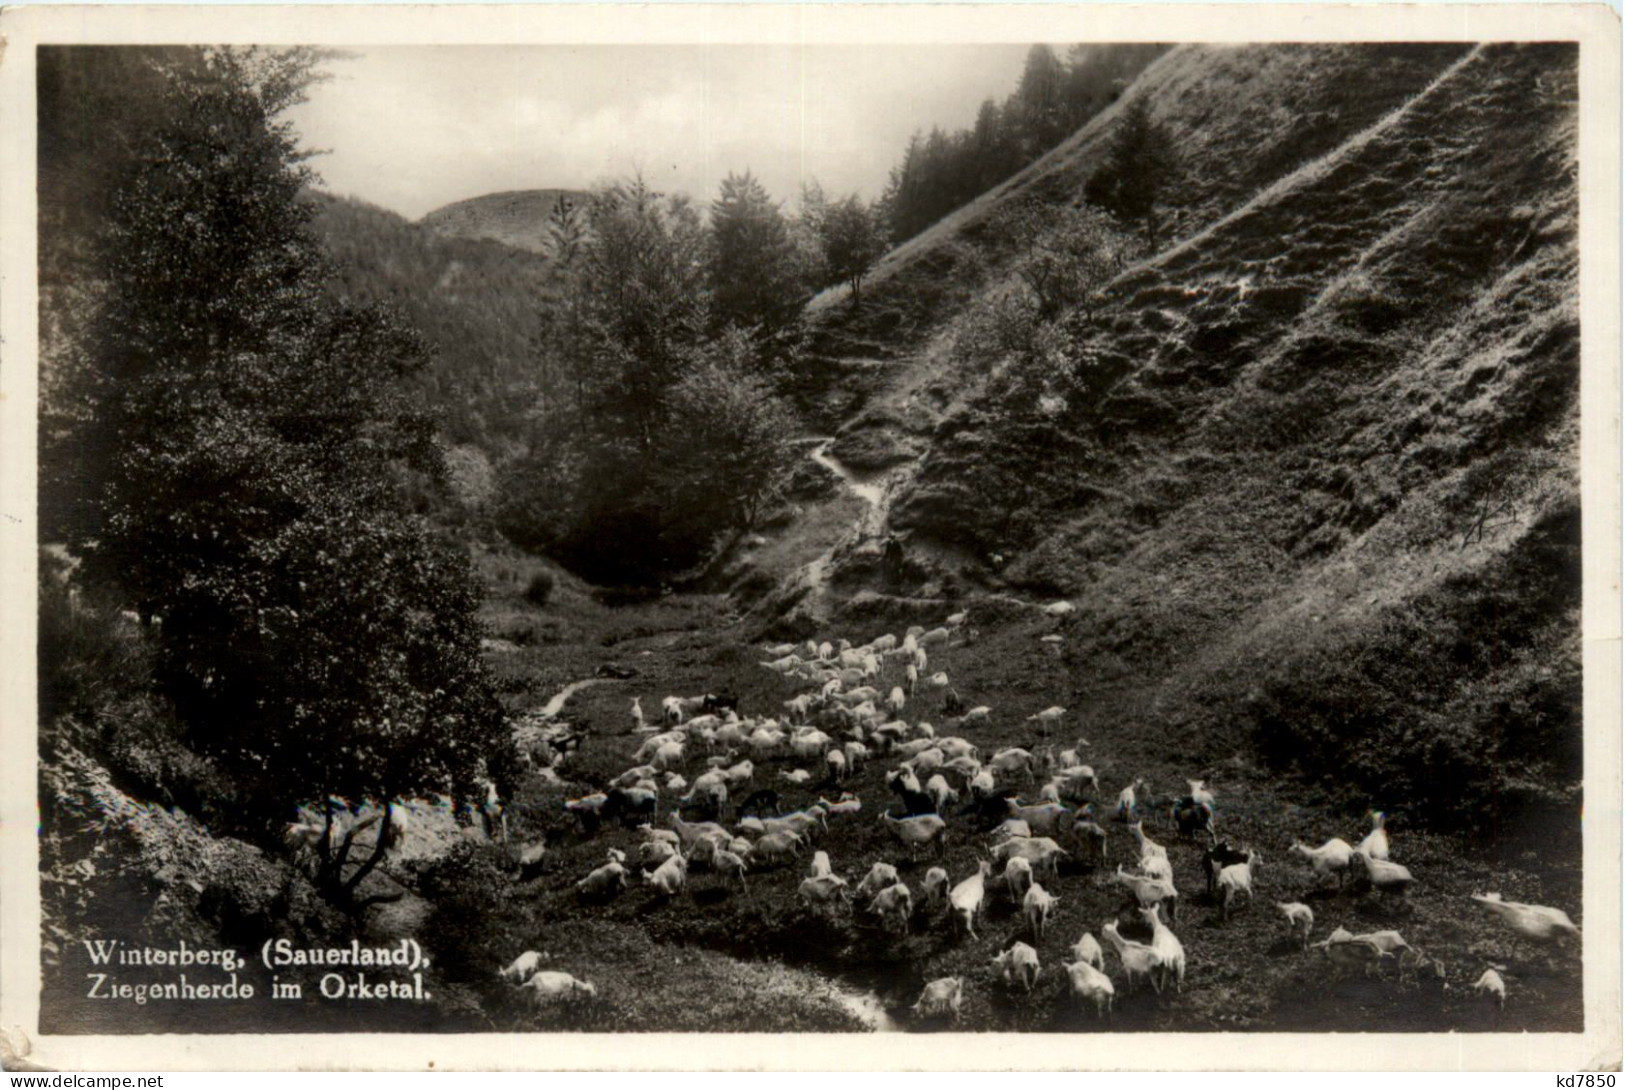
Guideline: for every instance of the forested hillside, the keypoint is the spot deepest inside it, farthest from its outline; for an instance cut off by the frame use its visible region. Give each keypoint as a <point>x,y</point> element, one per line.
<point>480,305</point>
<point>941,171</point>
<point>517,219</point>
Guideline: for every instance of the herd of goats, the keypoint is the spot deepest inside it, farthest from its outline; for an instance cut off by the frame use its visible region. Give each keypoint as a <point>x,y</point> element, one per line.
<point>844,720</point>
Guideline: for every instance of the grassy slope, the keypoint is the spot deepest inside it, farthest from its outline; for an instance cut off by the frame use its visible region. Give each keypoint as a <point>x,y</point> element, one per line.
<point>1336,484</point>
<point>1242,117</point>
<point>1299,465</point>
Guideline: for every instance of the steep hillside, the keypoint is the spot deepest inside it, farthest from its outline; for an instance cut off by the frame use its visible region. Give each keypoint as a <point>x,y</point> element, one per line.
<point>517,218</point>
<point>1310,472</point>
<point>480,304</point>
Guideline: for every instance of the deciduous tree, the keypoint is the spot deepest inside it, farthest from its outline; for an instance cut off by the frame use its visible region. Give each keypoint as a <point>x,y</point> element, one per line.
<point>244,442</point>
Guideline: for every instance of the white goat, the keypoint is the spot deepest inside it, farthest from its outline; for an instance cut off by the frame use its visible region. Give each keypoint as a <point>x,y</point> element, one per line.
<point>1047,718</point>
<point>1236,879</point>
<point>1300,918</point>
<point>1167,949</point>
<point>966,898</point>
<point>1091,985</point>
<point>941,794</point>
<point>1018,877</point>
<point>1138,959</point>
<point>894,900</point>
<point>1375,844</point>
<point>548,987</point>
<point>879,877</point>
<point>1127,799</point>
<point>606,881</point>
<point>1036,906</point>
<point>1332,857</point>
<point>1019,963</point>
<point>1490,984</point>
<point>921,830</point>
<point>940,997</point>
<point>1087,949</point>
<point>522,968</point>
<point>670,877</point>
<point>1008,762</point>
<point>826,892</point>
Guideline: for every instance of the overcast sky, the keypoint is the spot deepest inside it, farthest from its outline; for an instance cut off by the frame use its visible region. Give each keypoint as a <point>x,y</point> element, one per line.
<point>414,128</point>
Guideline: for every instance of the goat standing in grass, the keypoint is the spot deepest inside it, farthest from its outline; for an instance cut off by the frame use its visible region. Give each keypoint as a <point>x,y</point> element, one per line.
<point>1300,918</point>
<point>1235,880</point>
<point>1036,906</point>
<point>1167,949</point>
<point>941,997</point>
<point>1090,985</point>
<point>1138,959</point>
<point>1018,964</point>
<point>966,898</point>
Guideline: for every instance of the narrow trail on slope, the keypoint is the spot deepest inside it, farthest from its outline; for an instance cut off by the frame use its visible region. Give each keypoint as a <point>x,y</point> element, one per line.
<point>876,493</point>
<point>870,493</point>
<point>869,524</point>
<point>555,703</point>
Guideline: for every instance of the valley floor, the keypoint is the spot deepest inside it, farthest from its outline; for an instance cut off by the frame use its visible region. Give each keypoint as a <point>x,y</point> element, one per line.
<point>1244,973</point>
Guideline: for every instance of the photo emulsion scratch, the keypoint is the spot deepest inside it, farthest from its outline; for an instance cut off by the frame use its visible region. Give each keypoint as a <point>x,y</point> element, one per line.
<point>1035,537</point>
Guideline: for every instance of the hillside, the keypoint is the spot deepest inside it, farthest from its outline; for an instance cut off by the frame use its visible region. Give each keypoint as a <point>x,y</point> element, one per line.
<point>1309,473</point>
<point>517,218</point>
<point>479,304</point>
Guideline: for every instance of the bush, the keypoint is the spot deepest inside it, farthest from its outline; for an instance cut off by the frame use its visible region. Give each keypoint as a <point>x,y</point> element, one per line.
<point>539,589</point>
<point>85,662</point>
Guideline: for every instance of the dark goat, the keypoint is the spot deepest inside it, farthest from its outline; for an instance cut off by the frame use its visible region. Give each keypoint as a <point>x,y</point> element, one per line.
<point>914,802</point>
<point>990,812</point>
<point>1091,839</point>
<point>759,802</point>
<point>632,806</point>
<point>716,703</point>
<point>1218,857</point>
<point>1192,817</point>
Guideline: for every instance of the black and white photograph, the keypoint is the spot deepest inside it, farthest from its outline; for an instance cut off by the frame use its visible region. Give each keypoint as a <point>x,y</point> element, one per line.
<point>919,535</point>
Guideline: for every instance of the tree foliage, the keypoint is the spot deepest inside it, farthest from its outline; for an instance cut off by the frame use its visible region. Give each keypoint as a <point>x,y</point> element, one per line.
<point>1140,163</point>
<point>727,439</point>
<point>753,270</point>
<point>677,436</point>
<point>1067,254</point>
<point>854,237</point>
<point>243,445</point>
<point>642,292</point>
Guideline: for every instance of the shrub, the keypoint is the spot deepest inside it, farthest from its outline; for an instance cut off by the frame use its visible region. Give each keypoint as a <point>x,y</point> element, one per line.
<point>540,588</point>
<point>85,662</point>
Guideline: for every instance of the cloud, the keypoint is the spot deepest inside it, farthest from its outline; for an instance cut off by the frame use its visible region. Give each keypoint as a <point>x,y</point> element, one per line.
<point>413,128</point>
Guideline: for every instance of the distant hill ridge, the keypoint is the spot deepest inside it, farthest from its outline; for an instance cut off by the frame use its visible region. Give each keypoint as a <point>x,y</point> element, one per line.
<point>516,218</point>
